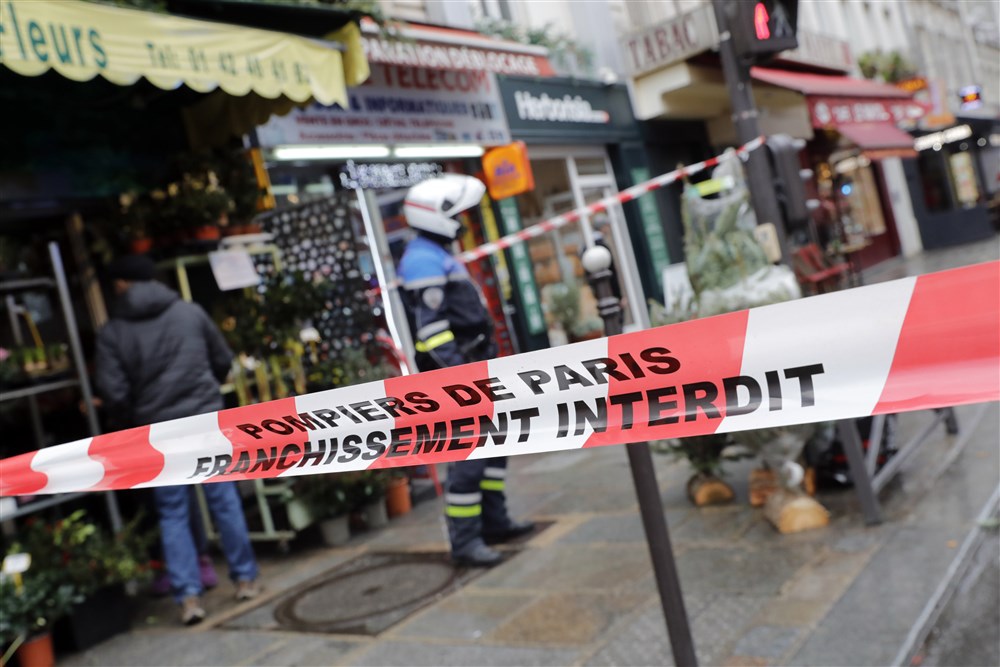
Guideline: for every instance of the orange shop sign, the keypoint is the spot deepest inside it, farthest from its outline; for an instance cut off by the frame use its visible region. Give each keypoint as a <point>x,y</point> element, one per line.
<point>508,170</point>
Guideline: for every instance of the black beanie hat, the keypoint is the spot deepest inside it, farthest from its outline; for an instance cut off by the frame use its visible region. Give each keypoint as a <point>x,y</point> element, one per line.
<point>132,268</point>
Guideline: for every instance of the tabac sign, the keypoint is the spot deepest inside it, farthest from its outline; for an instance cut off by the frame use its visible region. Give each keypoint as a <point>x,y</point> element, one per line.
<point>671,41</point>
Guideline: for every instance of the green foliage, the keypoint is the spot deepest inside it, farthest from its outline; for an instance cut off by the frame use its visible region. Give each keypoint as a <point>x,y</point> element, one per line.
<point>705,453</point>
<point>723,260</point>
<point>890,67</point>
<point>83,555</point>
<point>587,327</point>
<point>564,304</point>
<point>350,366</point>
<point>326,496</point>
<point>366,487</point>
<point>564,52</point>
<point>720,253</point>
<point>256,323</point>
<point>42,599</point>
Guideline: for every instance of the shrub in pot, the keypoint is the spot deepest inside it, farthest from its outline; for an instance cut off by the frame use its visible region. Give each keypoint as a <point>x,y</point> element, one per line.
<point>28,612</point>
<point>98,565</point>
<point>368,497</point>
<point>328,501</point>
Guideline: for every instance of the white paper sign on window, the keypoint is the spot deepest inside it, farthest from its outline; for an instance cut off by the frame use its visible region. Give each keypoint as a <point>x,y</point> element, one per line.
<point>233,269</point>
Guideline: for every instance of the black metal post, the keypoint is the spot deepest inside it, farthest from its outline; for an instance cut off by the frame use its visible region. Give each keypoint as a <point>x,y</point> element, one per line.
<point>597,261</point>
<point>847,429</point>
<point>760,178</point>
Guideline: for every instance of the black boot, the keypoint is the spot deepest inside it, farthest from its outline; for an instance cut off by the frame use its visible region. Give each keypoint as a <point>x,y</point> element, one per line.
<point>513,530</point>
<point>477,555</point>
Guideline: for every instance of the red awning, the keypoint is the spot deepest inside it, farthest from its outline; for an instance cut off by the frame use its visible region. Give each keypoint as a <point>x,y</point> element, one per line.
<point>822,84</point>
<point>839,101</point>
<point>879,140</point>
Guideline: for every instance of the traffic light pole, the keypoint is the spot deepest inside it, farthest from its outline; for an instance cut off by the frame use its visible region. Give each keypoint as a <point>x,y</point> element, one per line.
<point>760,177</point>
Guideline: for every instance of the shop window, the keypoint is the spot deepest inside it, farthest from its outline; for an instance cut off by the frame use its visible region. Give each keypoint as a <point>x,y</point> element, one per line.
<point>963,178</point>
<point>857,200</point>
<point>935,183</point>
<point>989,162</point>
<point>556,255</point>
<point>591,166</point>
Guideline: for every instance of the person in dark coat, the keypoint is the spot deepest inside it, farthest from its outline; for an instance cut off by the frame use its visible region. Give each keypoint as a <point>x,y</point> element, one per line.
<point>451,326</point>
<point>162,358</point>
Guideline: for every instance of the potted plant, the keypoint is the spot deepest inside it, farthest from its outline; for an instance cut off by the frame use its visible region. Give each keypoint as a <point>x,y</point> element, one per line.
<point>368,497</point>
<point>27,613</point>
<point>329,503</point>
<point>98,565</point>
<point>564,307</point>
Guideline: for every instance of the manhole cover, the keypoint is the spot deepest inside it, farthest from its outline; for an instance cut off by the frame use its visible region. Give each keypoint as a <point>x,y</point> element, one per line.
<point>353,597</point>
<point>366,595</point>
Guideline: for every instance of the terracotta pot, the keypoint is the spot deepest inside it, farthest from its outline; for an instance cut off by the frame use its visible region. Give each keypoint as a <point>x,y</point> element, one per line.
<point>397,496</point>
<point>207,233</point>
<point>37,652</point>
<point>234,229</point>
<point>141,246</point>
<point>252,228</point>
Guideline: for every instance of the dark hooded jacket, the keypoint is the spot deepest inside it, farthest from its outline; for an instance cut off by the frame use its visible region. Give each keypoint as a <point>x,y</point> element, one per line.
<point>159,358</point>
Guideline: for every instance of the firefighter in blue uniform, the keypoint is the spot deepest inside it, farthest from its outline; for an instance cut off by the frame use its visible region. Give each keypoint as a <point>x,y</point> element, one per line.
<point>451,326</point>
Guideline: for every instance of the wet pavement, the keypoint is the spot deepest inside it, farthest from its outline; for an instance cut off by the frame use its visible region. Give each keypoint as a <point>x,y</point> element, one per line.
<point>581,591</point>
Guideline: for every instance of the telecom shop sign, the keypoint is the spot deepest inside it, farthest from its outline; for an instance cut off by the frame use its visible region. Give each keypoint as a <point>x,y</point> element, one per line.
<point>401,105</point>
<point>422,52</point>
<point>547,109</point>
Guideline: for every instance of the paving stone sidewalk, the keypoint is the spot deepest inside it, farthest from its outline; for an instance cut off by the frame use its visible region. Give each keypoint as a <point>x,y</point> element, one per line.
<point>581,591</point>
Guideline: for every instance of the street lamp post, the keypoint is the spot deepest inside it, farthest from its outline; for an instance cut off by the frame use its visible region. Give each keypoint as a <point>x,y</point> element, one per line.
<point>597,262</point>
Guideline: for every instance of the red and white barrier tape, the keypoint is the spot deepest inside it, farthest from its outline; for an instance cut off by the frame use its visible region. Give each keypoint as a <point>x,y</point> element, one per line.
<point>601,205</point>
<point>911,344</point>
<point>558,221</point>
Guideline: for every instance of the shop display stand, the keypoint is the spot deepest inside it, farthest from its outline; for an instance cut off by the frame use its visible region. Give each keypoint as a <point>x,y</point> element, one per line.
<point>261,490</point>
<point>57,281</point>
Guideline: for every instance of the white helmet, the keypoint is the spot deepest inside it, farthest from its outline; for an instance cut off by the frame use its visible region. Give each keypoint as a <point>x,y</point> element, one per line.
<point>432,205</point>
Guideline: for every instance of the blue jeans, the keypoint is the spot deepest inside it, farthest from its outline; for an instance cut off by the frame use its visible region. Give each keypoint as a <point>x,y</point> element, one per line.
<point>173,504</point>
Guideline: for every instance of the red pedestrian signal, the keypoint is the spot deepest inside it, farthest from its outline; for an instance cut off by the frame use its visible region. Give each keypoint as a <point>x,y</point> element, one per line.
<point>761,29</point>
<point>760,21</point>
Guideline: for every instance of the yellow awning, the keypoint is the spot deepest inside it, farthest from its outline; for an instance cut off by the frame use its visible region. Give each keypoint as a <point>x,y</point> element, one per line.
<point>81,40</point>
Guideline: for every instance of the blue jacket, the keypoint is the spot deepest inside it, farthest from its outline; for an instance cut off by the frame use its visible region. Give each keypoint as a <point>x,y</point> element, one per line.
<point>446,310</point>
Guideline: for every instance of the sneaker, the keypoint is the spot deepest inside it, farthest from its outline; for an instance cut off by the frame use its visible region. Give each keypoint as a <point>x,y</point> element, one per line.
<point>207,571</point>
<point>247,590</point>
<point>191,611</point>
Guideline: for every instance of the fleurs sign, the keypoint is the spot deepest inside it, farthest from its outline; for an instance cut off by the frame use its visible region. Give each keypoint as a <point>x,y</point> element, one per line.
<point>81,40</point>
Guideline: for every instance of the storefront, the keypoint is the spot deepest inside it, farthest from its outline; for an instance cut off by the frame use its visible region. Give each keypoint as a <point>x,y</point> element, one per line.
<point>857,151</point>
<point>584,145</point>
<point>431,105</point>
<point>955,182</point>
<point>852,126</point>
<point>97,101</point>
